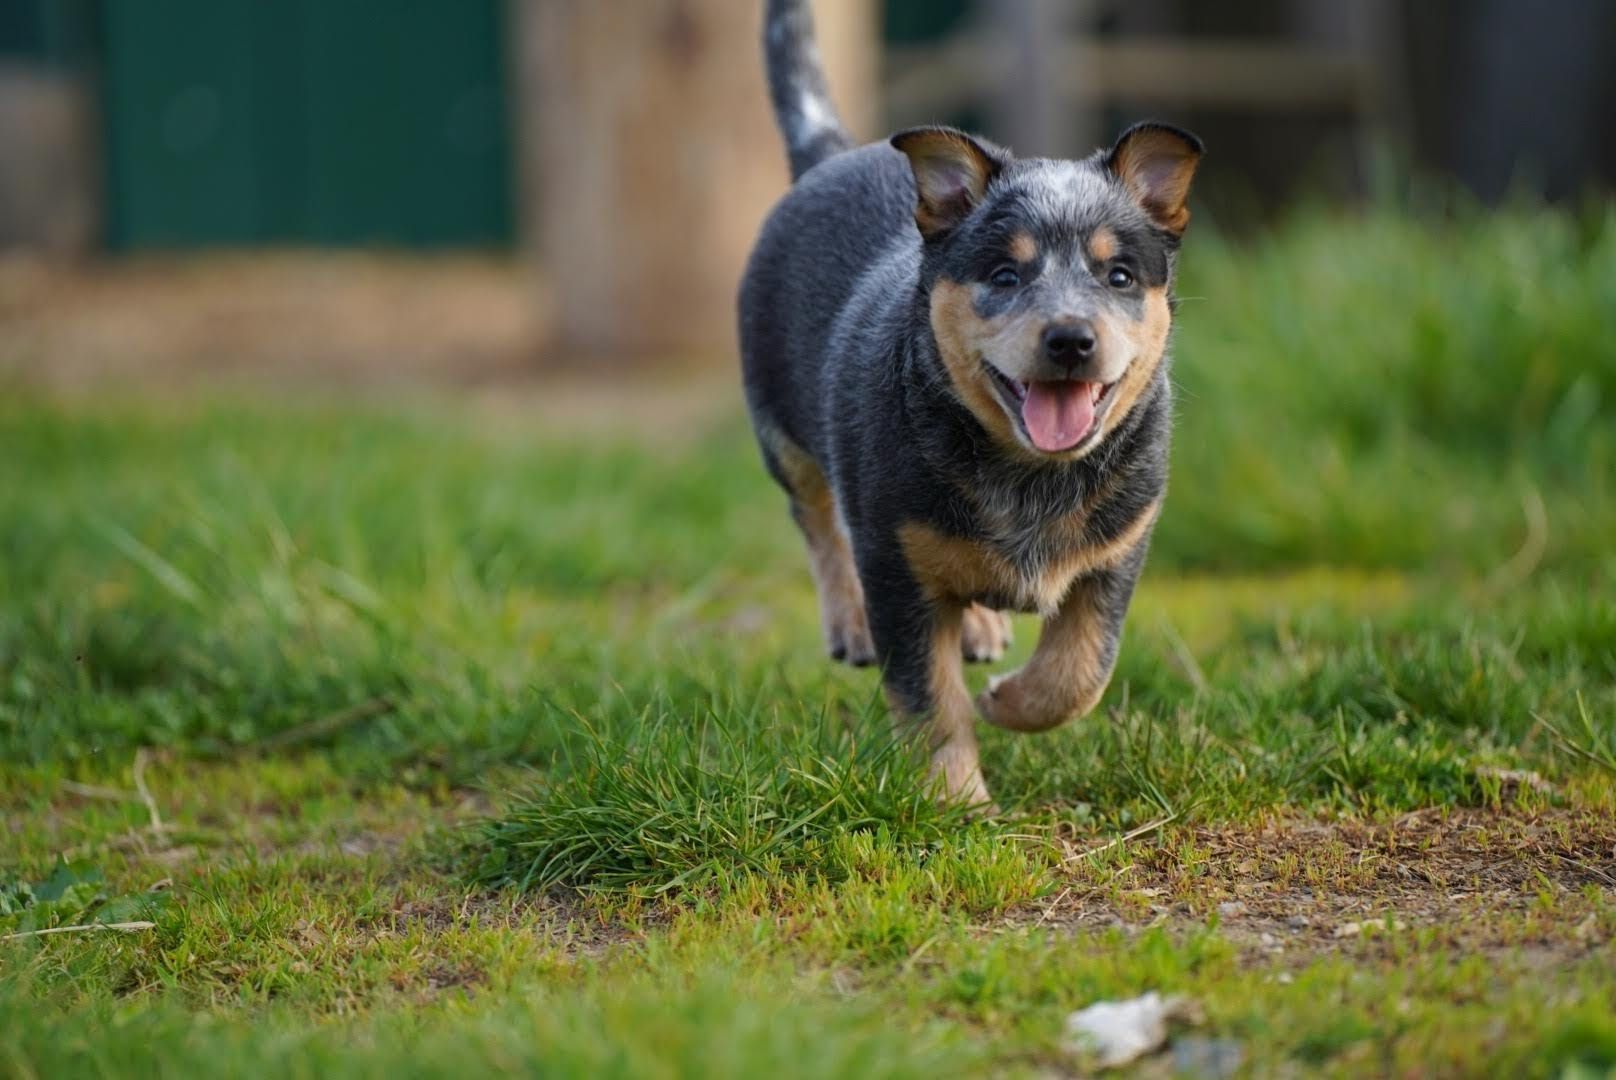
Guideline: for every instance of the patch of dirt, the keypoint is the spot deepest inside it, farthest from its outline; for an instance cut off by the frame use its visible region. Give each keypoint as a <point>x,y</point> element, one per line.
<point>565,921</point>
<point>1469,878</point>
<point>339,319</point>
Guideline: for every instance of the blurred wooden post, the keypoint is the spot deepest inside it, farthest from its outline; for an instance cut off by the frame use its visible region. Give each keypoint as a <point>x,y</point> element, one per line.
<point>649,158</point>
<point>1033,111</point>
<point>49,191</point>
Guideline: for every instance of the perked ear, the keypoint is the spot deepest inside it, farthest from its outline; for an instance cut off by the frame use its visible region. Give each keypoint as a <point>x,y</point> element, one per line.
<point>952,173</point>
<point>1156,163</point>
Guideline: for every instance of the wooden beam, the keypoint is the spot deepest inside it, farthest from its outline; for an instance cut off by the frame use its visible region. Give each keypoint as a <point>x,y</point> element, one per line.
<point>1142,71</point>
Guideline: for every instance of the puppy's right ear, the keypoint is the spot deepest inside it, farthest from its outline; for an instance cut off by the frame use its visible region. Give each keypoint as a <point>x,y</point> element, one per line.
<point>952,173</point>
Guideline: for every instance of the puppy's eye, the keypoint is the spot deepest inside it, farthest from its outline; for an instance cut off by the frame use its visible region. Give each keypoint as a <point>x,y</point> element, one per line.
<point>1119,278</point>
<point>1005,277</point>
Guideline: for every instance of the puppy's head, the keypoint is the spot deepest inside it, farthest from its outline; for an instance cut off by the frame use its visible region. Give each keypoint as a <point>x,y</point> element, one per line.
<point>1049,280</point>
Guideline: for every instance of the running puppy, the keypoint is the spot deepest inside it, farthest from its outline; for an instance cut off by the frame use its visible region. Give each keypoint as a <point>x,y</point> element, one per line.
<point>956,366</point>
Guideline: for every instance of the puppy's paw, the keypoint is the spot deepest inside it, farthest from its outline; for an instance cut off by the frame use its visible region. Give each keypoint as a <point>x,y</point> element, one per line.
<point>1022,701</point>
<point>984,634</point>
<point>1003,704</point>
<point>847,636</point>
<point>962,781</point>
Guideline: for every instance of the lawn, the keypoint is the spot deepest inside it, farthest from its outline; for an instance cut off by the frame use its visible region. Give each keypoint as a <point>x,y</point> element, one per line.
<point>411,739</point>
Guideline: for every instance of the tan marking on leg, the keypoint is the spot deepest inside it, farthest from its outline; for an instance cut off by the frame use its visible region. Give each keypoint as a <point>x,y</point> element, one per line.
<point>1149,337</point>
<point>985,634</point>
<point>841,596</point>
<point>1023,248</point>
<point>951,721</point>
<point>830,557</point>
<point>1102,245</point>
<point>1064,678</point>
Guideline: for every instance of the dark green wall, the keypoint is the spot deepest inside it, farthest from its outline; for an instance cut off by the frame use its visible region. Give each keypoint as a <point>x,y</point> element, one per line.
<point>53,33</point>
<point>348,122</point>
<point>239,122</point>
<point>905,22</point>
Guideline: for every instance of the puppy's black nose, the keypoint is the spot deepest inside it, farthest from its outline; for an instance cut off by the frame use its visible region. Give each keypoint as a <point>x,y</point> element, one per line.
<point>1070,343</point>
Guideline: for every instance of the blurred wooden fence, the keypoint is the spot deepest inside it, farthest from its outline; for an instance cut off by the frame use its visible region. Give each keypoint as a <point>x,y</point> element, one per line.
<point>628,148</point>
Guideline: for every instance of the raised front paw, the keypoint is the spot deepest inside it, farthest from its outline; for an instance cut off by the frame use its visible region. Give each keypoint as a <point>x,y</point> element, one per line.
<point>1033,700</point>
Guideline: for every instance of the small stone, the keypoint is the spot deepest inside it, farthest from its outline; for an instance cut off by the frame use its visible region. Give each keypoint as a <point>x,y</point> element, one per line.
<point>1194,1055</point>
<point>1511,779</point>
<point>1114,1033</point>
<point>1230,908</point>
<point>1353,929</point>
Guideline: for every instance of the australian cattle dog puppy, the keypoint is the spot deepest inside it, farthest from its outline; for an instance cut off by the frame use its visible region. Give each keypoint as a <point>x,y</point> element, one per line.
<point>956,363</point>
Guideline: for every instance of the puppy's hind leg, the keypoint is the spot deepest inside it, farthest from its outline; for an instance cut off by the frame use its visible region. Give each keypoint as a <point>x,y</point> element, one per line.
<point>830,557</point>
<point>841,597</point>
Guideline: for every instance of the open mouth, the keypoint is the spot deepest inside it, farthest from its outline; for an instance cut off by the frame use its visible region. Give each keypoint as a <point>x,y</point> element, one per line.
<point>1055,415</point>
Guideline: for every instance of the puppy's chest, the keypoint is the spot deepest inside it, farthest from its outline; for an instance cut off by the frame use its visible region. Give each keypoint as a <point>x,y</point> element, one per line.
<point>1001,563</point>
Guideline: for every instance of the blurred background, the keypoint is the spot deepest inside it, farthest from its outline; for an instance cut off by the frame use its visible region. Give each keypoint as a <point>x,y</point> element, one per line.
<point>473,190</point>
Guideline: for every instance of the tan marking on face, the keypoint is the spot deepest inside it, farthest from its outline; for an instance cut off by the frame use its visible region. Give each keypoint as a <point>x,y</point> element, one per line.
<point>1147,340</point>
<point>961,337</point>
<point>1023,248</point>
<point>1102,245</point>
<point>830,556</point>
<point>1066,675</point>
<point>950,715</point>
<point>958,570</point>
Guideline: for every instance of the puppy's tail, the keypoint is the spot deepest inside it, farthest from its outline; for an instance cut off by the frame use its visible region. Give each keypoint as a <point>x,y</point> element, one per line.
<point>802,106</point>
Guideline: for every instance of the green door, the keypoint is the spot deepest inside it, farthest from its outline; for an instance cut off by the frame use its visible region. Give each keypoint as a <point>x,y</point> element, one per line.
<point>241,122</point>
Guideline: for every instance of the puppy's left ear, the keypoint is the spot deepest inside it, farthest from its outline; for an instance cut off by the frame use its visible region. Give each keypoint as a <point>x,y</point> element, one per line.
<point>1156,163</point>
<point>952,173</point>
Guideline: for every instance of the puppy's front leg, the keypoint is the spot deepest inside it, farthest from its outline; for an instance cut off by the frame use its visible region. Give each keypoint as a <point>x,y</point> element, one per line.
<point>922,670</point>
<point>1071,667</point>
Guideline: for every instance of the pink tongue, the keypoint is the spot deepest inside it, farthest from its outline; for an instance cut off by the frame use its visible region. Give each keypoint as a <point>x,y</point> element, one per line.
<point>1058,414</point>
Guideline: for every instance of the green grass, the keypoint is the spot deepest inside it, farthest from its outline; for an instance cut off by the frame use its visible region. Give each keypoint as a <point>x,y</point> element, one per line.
<point>474,747</point>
